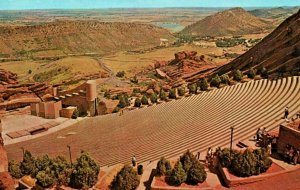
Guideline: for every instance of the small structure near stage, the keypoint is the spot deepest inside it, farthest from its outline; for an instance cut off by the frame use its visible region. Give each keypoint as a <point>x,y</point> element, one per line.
<point>84,98</point>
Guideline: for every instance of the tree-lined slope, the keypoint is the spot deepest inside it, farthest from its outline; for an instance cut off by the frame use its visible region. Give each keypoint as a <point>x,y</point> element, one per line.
<point>168,129</point>
<point>236,21</point>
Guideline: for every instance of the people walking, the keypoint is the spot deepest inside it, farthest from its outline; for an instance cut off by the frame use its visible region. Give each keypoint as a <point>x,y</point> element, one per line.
<point>133,160</point>
<point>258,134</point>
<point>286,113</point>
<point>198,155</point>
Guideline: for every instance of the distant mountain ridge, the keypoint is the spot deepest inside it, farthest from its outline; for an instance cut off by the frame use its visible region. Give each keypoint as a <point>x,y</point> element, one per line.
<point>235,21</point>
<point>77,37</point>
<point>278,52</point>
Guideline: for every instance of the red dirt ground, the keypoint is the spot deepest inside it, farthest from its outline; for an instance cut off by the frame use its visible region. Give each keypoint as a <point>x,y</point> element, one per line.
<point>286,181</point>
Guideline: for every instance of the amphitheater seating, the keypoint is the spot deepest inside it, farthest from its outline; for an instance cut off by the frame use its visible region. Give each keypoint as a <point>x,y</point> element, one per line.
<point>168,129</point>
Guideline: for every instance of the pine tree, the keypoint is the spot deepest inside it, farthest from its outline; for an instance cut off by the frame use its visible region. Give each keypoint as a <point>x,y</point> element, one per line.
<point>162,95</point>
<point>145,100</point>
<point>153,98</point>
<point>126,179</point>
<point>85,172</point>
<point>203,85</point>
<point>163,167</point>
<point>137,102</point>
<point>178,175</point>
<point>28,164</point>
<point>172,93</point>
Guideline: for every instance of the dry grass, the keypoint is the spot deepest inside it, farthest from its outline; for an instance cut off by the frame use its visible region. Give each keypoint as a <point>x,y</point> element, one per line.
<point>70,66</point>
<point>133,62</point>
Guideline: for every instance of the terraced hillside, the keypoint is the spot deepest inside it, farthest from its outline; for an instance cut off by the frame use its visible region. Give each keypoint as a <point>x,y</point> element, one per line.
<point>168,129</point>
<point>77,37</point>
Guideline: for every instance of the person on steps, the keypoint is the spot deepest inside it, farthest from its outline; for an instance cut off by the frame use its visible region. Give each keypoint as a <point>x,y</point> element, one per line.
<point>133,160</point>
<point>286,113</point>
<point>258,133</point>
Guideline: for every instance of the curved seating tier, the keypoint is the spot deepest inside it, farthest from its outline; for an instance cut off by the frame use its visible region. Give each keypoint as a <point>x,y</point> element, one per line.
<point>168,129</point>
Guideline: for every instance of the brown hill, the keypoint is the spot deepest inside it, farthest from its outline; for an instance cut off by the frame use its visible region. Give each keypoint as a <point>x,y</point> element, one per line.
<point>279,51</point>
<point>77,37</point>
<point>236,21</point>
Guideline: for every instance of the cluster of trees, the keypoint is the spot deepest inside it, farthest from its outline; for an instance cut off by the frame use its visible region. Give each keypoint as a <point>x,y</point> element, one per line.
<point>126,179</point>
<point>57,171</point>
<point>245,164</point>
<point>187,169</point>
<point>120,74</point>
<point>193,88</point>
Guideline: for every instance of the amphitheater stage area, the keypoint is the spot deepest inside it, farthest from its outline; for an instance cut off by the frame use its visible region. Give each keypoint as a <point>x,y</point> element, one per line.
<point>168,129</point>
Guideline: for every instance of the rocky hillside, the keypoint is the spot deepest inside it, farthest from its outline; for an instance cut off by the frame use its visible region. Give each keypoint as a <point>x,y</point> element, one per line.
<point>77,37</point>
<point>278,52</point>
<point>236,21</point>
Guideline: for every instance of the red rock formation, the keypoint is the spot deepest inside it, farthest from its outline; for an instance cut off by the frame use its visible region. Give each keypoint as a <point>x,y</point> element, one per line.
<point>14,95</point>
<point>6,181</point>
<point>7,77</point>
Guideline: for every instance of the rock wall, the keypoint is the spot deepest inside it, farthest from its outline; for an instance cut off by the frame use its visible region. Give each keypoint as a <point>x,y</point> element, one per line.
<point>290,136</point>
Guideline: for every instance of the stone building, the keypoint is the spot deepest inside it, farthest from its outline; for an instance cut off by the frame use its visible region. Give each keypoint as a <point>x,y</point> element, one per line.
<point>84,98</point>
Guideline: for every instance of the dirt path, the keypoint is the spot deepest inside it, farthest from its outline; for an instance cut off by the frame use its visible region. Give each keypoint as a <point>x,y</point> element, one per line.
<point>112,79</point>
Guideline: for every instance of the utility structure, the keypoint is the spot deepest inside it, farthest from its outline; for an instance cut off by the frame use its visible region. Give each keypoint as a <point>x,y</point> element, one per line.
<point>231,139</point>
<point>70,154</point>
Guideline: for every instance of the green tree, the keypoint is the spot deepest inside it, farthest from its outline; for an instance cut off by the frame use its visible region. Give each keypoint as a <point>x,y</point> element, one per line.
<point>224,79</point>
<point>237,75</point>
<point>62,170</point>
<point>122,102</point>
<point>172,93</point>
<point>85,172</point>
<point>44,179</point>
<point>153,98</point>
<point>181,91</point>
<point>215,81</point>
<point>177,175</point>
<point>28,164</point>
<point>251,73</point>
<point>145,100</point>
<point>120,74</point>
<point>162,95</point>
<point>137,102</point>
<point>244,165</point>
<point>187,160</point>
<point>163,167</point>
<point>29,71</point>
<point>14,169</point>
<point>42,164</point>
<point>126,179</point>
<point>203,85</point>
<point>196,174</point>
<point>192,88</point>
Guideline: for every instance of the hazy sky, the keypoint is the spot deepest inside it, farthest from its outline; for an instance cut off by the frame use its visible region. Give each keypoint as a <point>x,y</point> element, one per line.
<point>88,4</point>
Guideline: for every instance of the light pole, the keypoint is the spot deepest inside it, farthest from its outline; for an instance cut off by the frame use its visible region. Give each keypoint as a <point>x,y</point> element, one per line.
<point>23,151</point>
<point>69,147</point>
<point>231,138</point>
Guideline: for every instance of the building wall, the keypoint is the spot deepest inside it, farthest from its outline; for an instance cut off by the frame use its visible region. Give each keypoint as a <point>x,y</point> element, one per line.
<point>78,101</point>
<point>67,112</point>
<point>288,135</point>
<point>34,109</point>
